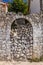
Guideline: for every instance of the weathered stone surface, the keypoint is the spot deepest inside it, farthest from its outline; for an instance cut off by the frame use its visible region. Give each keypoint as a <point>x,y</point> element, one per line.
<point>27,40</point>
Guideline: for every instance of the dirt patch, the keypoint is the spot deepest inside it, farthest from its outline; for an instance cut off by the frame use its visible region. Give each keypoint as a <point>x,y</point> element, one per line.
<point>20,63</point>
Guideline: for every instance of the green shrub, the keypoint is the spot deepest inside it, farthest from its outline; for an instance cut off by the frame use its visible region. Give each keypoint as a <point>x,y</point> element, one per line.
<point>41,58</point>
<point>36,60</point>
<point>18,6</point>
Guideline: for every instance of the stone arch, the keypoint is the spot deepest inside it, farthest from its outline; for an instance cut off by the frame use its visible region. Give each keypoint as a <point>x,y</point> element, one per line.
<point>22,16</point>
<point>29,51</point>
<point>28,21</point>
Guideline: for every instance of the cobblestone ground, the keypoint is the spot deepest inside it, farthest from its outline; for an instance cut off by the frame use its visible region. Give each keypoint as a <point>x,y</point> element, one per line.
<point>20,63</point>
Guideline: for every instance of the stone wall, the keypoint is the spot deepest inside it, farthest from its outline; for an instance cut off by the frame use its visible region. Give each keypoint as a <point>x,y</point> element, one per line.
<point>6,21</point>
<point>35,8</point>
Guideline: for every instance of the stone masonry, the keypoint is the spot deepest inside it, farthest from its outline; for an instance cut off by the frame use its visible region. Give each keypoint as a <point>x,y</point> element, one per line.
<point>23,42</point>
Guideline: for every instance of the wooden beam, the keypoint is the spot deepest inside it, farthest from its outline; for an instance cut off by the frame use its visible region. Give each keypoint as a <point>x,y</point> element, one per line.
<point>28,6</point>
<point>40,4</point>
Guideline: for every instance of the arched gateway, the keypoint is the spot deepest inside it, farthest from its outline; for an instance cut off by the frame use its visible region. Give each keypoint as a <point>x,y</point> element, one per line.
<point>21,36</point>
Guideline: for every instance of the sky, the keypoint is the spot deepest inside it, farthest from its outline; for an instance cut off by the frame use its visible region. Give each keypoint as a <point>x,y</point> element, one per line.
<point>11,0</point>
<point>25,0</point>
<point>7,0</point>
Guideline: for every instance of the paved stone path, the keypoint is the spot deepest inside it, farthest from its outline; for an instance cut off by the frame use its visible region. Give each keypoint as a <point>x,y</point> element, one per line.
<point>20,63</point>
